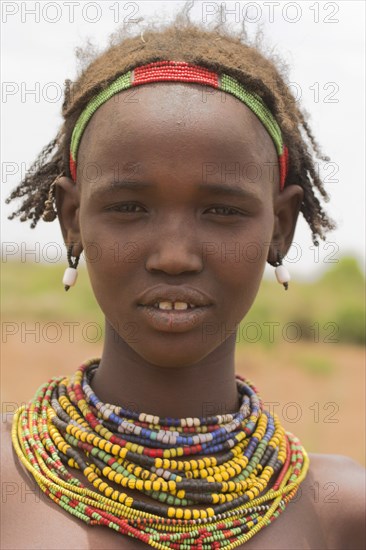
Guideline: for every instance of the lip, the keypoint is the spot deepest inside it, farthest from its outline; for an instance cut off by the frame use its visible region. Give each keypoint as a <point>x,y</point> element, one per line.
<point>174,320</point>
<point>170,293</point>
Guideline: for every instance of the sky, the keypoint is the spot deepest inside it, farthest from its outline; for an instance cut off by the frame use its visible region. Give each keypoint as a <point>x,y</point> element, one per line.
<point>322,43</point>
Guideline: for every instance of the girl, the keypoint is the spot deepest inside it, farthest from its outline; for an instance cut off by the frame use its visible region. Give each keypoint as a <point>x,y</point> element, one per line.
<point>151,169</point>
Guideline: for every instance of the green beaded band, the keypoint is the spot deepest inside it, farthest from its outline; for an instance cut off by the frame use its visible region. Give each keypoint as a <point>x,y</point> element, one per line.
<point>255,104</point>
<point>180,71</point>
<point>122,83</point>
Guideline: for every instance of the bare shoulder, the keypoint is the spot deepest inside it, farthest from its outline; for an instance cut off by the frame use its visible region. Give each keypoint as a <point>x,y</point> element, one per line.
<point>43,523</point>
<point>338,485</point>
<point>9,472</point>
<point>22,498</point>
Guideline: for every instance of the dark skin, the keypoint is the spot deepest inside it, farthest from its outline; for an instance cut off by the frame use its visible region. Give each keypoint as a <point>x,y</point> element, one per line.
<point>165,139</point>
<point>169,134</point>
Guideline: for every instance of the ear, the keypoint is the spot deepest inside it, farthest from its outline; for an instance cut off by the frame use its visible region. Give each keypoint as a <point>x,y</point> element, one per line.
<point>287,204</point>
<point>67,195</point>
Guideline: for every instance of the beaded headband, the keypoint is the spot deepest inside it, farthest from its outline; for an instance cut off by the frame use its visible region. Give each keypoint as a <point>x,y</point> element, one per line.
<point>181,71</point>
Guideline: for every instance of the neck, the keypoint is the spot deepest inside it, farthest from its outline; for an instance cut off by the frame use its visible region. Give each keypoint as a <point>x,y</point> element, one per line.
<point>205,388</point>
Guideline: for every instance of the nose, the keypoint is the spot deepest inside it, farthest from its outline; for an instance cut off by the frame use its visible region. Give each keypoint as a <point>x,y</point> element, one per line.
<point>175,251</point>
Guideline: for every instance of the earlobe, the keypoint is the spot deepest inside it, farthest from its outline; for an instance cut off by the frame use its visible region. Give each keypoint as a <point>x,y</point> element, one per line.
<point>67,196</point>
<point>287,206</point>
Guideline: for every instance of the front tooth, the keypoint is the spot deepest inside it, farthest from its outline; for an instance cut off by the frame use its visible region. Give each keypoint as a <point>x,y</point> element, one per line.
<point>180,305</point>
<point>165,305</point>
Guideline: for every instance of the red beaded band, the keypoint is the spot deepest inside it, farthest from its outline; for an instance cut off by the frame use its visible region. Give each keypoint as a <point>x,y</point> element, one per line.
<point>181,71</point>
<point>177,71</point>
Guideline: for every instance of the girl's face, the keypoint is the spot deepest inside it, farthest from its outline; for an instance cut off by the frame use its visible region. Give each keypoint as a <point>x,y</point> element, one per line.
<point>178,185</point>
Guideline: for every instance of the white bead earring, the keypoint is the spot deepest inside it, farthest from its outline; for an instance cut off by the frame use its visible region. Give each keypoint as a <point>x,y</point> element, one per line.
<point>71,274</point>
<point>282,274</point>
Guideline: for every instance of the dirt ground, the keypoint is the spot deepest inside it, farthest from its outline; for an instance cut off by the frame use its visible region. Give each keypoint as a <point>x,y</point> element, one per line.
<point>324,408</point>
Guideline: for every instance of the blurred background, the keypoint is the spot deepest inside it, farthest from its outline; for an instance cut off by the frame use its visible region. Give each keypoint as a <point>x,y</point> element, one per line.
<point>303,349</point>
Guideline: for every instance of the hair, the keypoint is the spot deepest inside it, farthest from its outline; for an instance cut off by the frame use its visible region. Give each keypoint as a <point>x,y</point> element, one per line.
<point>218,49</point>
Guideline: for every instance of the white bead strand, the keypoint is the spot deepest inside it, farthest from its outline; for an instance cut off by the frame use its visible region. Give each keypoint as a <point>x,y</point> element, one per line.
<point>69,278</point>
<point>282,275</point>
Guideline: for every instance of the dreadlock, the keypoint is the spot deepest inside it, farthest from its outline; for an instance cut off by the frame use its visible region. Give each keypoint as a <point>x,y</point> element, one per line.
<point>216,49</point>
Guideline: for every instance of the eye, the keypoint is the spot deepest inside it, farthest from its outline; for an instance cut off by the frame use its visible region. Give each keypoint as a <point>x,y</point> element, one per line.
<point>228,211</point>
<point>127,207</point>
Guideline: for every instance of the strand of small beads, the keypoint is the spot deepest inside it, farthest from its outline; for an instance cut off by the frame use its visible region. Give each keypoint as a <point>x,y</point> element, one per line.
<point>245,468</point>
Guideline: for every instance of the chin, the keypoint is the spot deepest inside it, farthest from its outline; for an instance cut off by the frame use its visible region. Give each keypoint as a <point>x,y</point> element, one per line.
<point>173,353</point>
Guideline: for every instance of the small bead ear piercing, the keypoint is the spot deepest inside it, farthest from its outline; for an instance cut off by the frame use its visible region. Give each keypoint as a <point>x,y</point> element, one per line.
<point>71,274</point>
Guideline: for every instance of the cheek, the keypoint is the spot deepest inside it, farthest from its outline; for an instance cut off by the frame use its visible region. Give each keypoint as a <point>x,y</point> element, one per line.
<point>239,268</point>
<point>241,280</point>
<point>111,261</point>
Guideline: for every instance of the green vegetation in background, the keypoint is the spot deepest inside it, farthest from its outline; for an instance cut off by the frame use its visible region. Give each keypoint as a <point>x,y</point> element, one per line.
<point>329,310</point>
<point>35,291</point>
<point>332,309</point>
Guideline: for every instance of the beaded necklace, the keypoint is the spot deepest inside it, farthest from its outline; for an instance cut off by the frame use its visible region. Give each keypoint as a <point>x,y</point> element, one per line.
<point>219,498</point>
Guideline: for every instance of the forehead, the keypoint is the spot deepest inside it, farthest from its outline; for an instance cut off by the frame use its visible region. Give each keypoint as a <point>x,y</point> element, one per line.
<point>160,109</point>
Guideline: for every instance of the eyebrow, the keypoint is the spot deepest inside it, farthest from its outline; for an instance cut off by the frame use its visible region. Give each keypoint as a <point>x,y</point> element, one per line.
<point>214,188</point>
<point>231,190</point>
